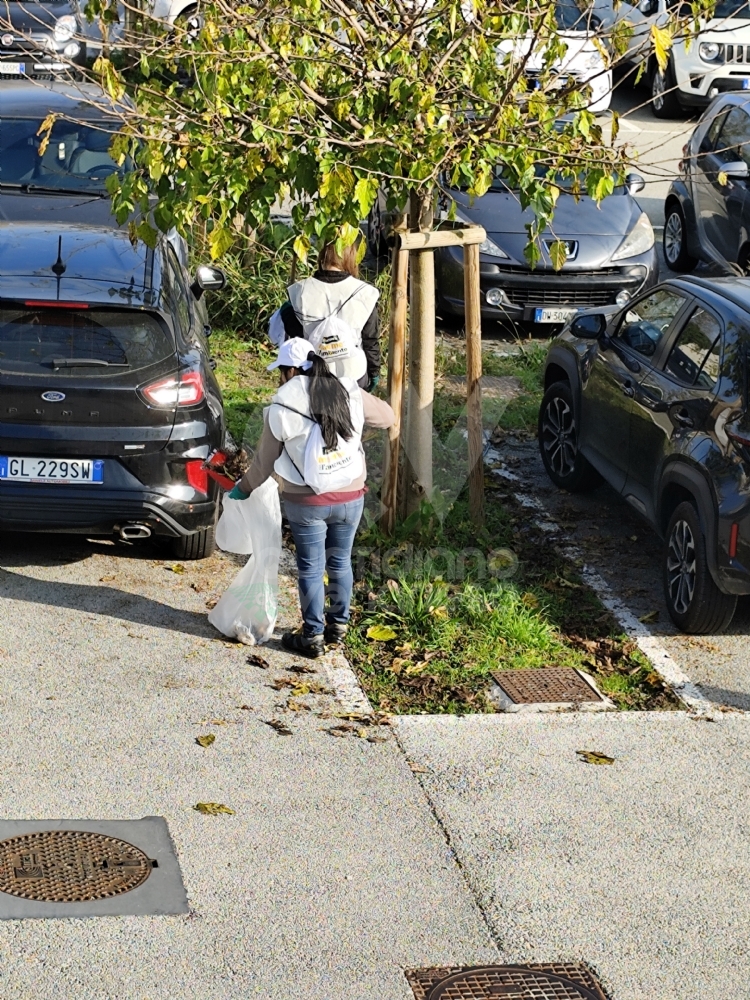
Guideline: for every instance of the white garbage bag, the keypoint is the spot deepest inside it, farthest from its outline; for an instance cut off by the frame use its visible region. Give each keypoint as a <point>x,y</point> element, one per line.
<point>233,529</point>
<point>247,609</point>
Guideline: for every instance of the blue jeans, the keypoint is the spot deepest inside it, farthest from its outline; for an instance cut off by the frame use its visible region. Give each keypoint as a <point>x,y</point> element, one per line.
<point>324,537</point>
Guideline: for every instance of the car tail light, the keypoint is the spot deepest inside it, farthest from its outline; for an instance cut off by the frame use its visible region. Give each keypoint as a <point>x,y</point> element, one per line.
<point>197,475</point>
<point>185,390</point>
<point>733,535</point>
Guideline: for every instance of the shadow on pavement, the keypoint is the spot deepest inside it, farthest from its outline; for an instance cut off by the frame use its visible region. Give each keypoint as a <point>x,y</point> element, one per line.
<point>105,601</point>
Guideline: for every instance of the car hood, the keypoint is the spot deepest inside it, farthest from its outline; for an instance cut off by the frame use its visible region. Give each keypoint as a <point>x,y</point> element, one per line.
<point>91,210</point>
<point>581,51</point>
<point>500,212</point>
<point>33,17</point>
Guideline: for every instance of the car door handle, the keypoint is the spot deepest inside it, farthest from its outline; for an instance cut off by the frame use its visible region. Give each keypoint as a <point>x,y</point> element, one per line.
<point>683,418</point>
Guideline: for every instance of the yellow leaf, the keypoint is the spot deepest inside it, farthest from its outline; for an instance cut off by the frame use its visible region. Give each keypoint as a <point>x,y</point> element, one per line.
<point>662,39</point>
<point>558,254</point>
<point>205,741</point>
<point>213,809</point>
<point>177,568</point>
<point>381,633</point>
<point>416,668</point>
<point>594,757</point>
<point>722,178</point>
<point>397,665</point>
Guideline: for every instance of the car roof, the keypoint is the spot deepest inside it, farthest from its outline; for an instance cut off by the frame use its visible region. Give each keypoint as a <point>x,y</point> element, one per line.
<point>77,263</point>
<point>26,98</point>
<point>735,289</point>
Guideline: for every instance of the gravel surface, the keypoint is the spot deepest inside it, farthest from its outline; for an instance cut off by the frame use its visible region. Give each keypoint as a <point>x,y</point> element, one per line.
<point>640,868</point>
<point>330,879</point>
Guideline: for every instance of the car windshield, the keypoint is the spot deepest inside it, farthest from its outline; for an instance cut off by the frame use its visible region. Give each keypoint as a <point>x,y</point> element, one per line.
<point>48,340</point>
<point>76,157</point>
<point>732,8</point>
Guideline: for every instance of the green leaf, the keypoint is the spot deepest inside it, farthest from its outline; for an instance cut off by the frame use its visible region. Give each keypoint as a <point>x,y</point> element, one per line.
<point>220,239</point>
<point>146,232</point>
<point>381,633</point>
<point>558,254</point>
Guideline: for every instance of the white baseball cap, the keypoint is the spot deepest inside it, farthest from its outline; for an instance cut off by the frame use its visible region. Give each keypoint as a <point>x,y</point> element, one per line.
<point>293,354</point>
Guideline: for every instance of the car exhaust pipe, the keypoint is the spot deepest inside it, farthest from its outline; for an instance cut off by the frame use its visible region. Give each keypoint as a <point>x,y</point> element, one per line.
<point>128,532</point>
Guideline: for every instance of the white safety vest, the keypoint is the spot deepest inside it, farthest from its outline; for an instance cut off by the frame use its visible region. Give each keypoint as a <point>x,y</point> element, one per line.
<point>290,422</point>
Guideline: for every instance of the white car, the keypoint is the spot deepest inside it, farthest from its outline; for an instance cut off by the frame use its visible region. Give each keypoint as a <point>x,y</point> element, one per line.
<point>715,62</point>
<point>584,60</point>
<point>170,12</point>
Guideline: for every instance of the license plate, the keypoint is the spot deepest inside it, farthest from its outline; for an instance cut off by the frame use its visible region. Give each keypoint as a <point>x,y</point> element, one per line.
<point>553,315</point>
<point>12,69</point>
<point>51,470</point>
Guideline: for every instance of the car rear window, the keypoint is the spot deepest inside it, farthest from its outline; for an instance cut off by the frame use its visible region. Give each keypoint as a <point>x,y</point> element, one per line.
<point>76,157</point>
<point>101,341</point>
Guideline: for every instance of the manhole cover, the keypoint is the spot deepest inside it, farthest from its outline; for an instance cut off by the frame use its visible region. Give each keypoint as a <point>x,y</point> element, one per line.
<point>548,684</point>
<point>70,866</point>
<point>513,982</point>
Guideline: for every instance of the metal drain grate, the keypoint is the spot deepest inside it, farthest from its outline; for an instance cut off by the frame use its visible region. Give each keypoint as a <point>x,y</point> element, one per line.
<point>70,866</point>
<point>545,685</point>
<point>514,982</point>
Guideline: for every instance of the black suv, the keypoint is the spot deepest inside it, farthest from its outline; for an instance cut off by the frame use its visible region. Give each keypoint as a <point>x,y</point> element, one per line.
<point>109,408</point>
<point>654,399</point>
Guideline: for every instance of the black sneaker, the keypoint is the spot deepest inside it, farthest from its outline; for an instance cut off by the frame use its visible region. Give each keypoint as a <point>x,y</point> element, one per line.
<point>314,646</point>
<point>335,633</point>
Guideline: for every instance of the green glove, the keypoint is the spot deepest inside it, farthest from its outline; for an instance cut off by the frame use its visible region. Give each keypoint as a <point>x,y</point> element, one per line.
<point>238,494</point>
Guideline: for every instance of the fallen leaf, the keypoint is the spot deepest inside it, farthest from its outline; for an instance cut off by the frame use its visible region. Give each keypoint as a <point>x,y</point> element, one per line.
<point>594,757</point>
<point>281,727</point>
<point>246,708</point>
<point>300,690</point>
<point>397,665</point>
<point>634,538</point>
<point>380,633</point>
<point>278,683</point>
<point>377,739</point>
<point>342,730</point>
<point>257,661</point>
<point>177,568</point>
<point>205,741</point>
<point>297,706</point>
<point>652,616</point>
<point>212,602</point>
<point>301,668</point>
<point>213,809</point>
<point>362,733</point>
<point>106,579</point>
<point>418,768</point>
<point>415,668</point>
<point>197,587</point>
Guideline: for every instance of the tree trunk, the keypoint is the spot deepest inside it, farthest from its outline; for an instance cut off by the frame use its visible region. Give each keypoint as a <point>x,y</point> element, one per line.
<point>396,359</point>
<point>421,392</point>
<point>473,317</point>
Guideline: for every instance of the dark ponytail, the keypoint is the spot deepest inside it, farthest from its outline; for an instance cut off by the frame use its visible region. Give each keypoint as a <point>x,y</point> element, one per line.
<point>329,402</point>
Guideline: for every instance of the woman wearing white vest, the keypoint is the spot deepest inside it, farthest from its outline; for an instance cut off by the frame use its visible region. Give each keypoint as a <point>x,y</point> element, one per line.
<point>334,290</point>
<point>312,439</point>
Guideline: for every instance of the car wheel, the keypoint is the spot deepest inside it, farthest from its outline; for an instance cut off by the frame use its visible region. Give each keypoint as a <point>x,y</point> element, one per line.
<point>197,546</point>
<point>694,602</point>
<point>558,442</point>
<point>664,100</point>
<point>674,241</point>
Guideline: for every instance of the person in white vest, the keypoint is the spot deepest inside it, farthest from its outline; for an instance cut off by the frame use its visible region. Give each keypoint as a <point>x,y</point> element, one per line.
<point>312,440</point>
<point>335,290</point>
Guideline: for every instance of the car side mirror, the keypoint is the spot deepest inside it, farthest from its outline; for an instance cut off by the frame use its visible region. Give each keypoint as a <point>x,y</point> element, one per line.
<point>737,171</point>
<point>634,183</point>
<point>648,7</point>
<point>207,279</point>
<point>589,326</point>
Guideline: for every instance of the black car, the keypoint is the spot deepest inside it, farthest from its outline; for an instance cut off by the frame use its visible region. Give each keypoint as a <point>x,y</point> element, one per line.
<point>41,39</point>
<point>654,399</point>
<point>109,408</point>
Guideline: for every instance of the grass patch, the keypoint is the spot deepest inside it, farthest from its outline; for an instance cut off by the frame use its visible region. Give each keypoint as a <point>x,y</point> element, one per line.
<point>245,384</point>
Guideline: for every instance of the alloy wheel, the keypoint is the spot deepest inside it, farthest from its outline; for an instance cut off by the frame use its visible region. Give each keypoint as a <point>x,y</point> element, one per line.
<point>658,86</point>
<point>673,237</point>
<point>559,437</point>
<point>681,567</point>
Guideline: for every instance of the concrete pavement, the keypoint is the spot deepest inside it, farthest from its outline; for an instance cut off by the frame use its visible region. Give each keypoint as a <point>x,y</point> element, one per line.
<point>330,879</point>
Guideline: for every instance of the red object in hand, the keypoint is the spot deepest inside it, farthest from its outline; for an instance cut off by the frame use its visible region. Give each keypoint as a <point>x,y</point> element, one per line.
<point>218,458</point>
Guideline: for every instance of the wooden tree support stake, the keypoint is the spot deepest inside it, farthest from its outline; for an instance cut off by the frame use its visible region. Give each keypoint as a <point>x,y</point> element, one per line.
<point>473,318</point>
<point>396,359</point>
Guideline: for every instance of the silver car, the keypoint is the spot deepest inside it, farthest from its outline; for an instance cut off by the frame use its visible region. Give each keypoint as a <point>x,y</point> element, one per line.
<point>707,210</point>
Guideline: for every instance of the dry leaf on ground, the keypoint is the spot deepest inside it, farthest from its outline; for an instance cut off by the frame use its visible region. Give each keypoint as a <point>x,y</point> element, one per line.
<point>255,660</point>
<point>246,708</point>
<point>213,809</point>
<point>594,757</point>
<point>281,727</point>
<point>301,668</point>
<point>418,768</point>
<point>205,741</point>
<point>212,602</point>
<point>177,568</point>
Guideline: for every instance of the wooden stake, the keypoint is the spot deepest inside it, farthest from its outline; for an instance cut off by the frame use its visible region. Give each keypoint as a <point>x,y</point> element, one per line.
<point>473,320</point>
<point>396,358</point>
